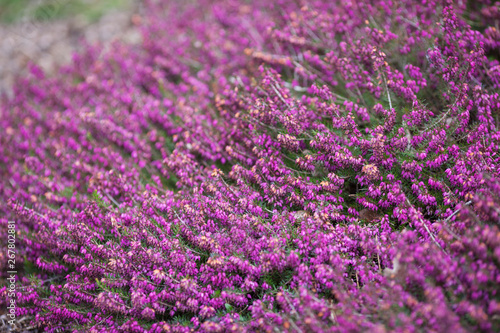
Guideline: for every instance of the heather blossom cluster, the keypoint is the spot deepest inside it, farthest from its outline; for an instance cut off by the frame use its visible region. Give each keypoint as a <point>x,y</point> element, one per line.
<point>294,166</point>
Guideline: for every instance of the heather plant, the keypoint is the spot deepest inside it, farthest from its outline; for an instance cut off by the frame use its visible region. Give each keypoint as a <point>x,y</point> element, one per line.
<point>310,166</point>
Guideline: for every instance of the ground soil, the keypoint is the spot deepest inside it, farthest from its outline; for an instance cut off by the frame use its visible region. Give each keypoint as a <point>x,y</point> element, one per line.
<point>51,43</point>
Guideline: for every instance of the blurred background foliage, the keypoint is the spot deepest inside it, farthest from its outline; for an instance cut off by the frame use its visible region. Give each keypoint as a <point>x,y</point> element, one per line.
<point>12,11</point>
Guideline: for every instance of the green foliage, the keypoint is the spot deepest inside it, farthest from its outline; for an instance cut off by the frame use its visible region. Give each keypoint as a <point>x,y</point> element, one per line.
<point>67,192</point>
<point>12,11</point>
<point>98,199</point>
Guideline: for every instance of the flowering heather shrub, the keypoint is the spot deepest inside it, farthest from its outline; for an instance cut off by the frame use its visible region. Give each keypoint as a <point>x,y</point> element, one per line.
<point>308,166</point>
